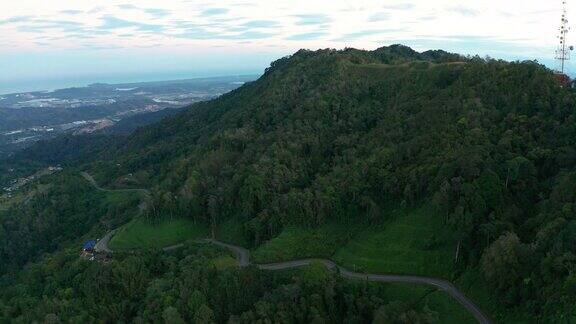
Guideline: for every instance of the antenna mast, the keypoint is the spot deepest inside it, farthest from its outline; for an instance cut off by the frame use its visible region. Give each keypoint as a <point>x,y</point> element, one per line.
<point>563,51</point>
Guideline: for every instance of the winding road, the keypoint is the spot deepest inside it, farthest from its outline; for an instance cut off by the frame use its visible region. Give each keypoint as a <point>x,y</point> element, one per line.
<point>93,182</point>
<point>102,244</point>
<point>243,258</point>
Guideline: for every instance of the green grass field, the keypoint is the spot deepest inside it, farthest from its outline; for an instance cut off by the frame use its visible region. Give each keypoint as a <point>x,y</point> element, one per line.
<point>224,262</point>
<point>139,234</point>
<point>116,197</point>
<point>412,242</point>
<point>296,243</point>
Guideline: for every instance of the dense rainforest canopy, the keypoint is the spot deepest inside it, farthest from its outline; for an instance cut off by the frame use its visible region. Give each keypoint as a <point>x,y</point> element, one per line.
<point>340,136</point>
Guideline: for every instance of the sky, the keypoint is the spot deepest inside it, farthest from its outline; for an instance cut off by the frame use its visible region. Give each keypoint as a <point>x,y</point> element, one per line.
<point>47,44</point>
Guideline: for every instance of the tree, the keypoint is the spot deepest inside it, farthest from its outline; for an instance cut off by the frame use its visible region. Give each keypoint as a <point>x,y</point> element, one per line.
<point>172,316</point>
<point>204,314</point>
<point>501,263</point>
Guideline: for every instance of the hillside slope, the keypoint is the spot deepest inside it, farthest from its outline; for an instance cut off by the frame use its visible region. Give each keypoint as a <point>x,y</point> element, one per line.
<point>343,135</point>
<point>346,136</point>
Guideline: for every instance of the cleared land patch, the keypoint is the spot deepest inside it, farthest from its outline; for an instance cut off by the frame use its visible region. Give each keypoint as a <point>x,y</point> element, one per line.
<point>413,242</point>
<point>296,243</point>
<point>140,234</point>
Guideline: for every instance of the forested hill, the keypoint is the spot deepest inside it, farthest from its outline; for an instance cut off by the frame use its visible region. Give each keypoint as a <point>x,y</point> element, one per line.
<point>344,136</point>
<point>341,135</point>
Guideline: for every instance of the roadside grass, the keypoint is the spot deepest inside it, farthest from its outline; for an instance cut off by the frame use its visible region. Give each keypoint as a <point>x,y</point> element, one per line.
<point>139,234</point>
<point>296,243</point>
<point>443,305</point>
<point>224,262</point>
<point>413,242</point>
<point>119,197</point>
<point>447,309</point>
<point>475,287</point>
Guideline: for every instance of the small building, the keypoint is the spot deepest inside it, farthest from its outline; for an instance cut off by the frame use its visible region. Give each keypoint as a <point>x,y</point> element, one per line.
<point>563,80</point>
<point>89,246</point>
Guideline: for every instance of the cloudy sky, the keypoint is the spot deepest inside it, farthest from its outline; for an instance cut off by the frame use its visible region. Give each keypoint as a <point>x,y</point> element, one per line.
<point>121,40</point>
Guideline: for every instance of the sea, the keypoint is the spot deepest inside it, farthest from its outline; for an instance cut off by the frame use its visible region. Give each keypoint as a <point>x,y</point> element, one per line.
<point>31,85</point>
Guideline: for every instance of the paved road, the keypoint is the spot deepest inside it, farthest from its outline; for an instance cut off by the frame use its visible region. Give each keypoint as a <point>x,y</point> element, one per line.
<point>243,258</point>
<point>93,182</point>
<point>102,244</point>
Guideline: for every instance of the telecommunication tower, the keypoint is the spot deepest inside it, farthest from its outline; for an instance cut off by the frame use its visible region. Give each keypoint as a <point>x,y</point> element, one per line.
<point>563,50</point>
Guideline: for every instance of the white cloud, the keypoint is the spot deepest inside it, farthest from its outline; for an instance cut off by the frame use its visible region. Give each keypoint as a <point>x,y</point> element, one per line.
<point>515,28</point>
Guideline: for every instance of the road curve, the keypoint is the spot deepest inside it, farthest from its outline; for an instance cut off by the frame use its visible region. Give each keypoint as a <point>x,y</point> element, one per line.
<point>102,244</point>
<point>243,258</point>
<point>93,182</point>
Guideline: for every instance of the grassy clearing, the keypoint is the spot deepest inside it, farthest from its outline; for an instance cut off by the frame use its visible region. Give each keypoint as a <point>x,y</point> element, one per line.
<point>447,309</point>
<point>120,197</point>
<point>139,234</point>
<point>412,242</point>
<point>224,262</point>
<point>296,243</point>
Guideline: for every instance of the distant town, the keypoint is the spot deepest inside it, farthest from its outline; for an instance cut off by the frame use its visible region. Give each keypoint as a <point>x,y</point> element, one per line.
<point>20,182</point>
<point>29,117</point>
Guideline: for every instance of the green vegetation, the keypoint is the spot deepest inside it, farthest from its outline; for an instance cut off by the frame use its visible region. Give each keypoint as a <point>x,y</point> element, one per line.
<point>331,138</point>
<point>186,286</point>
<point>232,231</point>
<point>224,262</point>
<point>57,212</point>
<point>447,309</point>
<point>116,197</point>
<point>297,243</point>
<point>140,234</point>
<point>444,308</point>
<point>413,242</point>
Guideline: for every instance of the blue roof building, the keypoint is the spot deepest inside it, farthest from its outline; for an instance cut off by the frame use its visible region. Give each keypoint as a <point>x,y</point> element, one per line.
<point>89,246</point>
